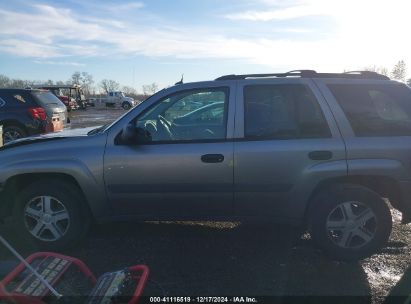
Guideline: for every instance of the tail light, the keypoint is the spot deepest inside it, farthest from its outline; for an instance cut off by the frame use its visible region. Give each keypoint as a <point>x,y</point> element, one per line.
<point>37,113</point>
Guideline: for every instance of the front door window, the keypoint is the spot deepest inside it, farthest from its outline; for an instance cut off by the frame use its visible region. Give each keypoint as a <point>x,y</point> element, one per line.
<point>196,115</point>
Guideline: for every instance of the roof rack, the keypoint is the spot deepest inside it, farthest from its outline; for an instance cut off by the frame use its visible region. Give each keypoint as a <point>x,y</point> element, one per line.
<point>309,74</point>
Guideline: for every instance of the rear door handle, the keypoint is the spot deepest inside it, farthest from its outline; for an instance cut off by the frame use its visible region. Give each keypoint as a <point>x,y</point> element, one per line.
<point>320,155</point>
<point>212,158</point>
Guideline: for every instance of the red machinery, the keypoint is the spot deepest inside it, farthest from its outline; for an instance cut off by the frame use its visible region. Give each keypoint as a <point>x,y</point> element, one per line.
<point>39,279</point>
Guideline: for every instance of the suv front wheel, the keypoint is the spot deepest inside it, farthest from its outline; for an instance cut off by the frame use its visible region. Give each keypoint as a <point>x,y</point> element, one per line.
<point>350,222</point>
<point>51,214</point>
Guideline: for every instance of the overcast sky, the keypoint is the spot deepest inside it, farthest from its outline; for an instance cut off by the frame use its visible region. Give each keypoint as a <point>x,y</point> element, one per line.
<point>140,42</point>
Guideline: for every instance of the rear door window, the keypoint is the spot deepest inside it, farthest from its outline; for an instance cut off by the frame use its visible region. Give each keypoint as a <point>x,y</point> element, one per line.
<point>282,112</point>
<point>376,109</point>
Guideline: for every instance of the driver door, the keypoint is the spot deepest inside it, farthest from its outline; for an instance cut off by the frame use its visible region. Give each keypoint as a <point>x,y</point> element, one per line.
<point>181,171</point>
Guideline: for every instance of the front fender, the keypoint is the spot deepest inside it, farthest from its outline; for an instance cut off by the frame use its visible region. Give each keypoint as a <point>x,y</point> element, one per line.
<point>92,187</point>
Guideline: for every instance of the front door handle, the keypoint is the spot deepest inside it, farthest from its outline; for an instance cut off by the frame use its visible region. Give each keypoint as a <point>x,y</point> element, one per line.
<point>320,155</point>
<point>212,158</point>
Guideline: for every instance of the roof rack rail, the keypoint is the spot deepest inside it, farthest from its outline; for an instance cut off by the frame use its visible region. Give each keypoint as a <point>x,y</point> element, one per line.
<point>309,74</point>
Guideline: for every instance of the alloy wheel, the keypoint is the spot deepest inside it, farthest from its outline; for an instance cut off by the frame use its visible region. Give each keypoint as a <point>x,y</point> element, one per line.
<point>351,225</point>
<point>11,135</point>
<point>46,218</point>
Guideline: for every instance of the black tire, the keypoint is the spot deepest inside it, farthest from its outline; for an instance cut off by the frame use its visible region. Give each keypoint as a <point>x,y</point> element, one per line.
<point>328,203</point>
<point>65,194</point>
<point>126,106</point>
<point>13,131</point>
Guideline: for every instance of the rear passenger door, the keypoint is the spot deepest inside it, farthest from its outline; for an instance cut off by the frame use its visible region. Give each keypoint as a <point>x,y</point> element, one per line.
<point>286,141</point>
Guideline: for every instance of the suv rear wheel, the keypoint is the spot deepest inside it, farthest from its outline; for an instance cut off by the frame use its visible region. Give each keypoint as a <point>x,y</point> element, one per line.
<point>12,133</point>
<point>350,222</point>
<point>51,214</point>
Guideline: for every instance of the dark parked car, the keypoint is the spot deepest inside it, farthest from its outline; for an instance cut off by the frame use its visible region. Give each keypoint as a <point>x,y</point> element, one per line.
<point>211,113</point>
<point>25,112</point>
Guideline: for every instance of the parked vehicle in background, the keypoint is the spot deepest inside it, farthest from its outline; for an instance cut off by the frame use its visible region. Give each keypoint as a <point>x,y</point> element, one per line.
<point>208,114</point>
<point>71,95</point>
<point>118,99</point>
<point>25,112</point>
<point>91,102</point>
<point>69,102</point>
<point>313,149</point>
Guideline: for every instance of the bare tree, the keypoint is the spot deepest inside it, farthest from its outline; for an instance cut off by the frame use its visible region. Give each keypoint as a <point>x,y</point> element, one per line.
<point>87,82</point>
<point>84,79</point>
<point>109,85</point>
<point>4,81</point>
<point>150,89</point>
<point>399,72</point>
<point>18,83</point>
<point>76,78</point>
<point>129,91</point>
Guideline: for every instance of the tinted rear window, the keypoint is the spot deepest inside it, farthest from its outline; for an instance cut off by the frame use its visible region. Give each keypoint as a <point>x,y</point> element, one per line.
<point>375,110</point>
<point>46,98</point>
<point>283,112</point>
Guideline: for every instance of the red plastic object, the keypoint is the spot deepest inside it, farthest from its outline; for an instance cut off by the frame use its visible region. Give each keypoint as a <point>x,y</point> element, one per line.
<point>21,298</point>
<point>140,273</point>
<point>9,294</point>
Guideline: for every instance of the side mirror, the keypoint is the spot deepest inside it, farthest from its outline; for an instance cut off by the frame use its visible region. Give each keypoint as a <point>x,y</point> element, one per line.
<point>129,134</point>
<point>135,135</point>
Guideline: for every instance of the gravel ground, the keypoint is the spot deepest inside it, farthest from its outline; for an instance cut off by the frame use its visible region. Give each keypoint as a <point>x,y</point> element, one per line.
<point>208,258</point>
<point>93,116</point>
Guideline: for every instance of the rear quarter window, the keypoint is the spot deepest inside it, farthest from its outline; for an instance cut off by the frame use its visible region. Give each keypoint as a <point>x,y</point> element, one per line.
<point>15,100</point>
<point>376,109</point>
<point>46,98</point>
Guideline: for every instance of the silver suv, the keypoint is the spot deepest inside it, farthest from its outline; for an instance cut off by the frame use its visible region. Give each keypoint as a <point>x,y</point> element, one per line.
<point>327,151</point>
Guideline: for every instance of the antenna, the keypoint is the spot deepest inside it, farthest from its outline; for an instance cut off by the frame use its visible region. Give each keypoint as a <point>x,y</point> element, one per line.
<point>181,81</point>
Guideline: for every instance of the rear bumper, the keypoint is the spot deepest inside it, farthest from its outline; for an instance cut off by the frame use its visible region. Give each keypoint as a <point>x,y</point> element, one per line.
<point>36,127</point>
<point>405,188</point>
